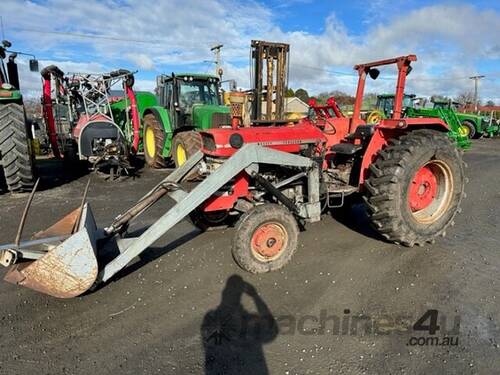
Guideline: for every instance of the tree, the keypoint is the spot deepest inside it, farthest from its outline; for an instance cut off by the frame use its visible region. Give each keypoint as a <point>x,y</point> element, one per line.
<point>302,95</point>
<point>466,97</point>
<point>340,97</point>
<point>289,93</point>
<point>490,103</point>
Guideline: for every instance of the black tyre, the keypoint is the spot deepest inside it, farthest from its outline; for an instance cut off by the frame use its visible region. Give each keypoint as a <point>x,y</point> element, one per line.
<point>153,141</point>
<point>415,187</point>
<point>16,157</point>
<point>184,145</point>
<point>470,129</point>
<point>266,238</point>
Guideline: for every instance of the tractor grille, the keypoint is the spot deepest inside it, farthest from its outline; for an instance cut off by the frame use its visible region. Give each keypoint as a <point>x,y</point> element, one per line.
<point>221,119</point>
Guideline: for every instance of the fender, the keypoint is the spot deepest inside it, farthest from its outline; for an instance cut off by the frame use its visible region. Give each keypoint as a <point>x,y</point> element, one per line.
<point>161,115</point>
<point>129,91</point>
<point>390,129</point>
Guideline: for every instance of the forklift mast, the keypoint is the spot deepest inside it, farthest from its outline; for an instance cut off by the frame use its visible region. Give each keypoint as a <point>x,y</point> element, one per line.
<point>271,59</point>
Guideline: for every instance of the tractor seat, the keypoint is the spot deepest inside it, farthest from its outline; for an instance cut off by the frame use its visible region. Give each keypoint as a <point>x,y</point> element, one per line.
<point>345,148</point>
<point>363,132</point>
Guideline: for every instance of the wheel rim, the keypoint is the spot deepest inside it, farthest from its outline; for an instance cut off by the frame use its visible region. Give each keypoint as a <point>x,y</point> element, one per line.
<point>464,131</point>
<point>181,154</point>
<point>374,118</point>
<point>150,142</point>
<point>430,191</point>
<point>268,241</point>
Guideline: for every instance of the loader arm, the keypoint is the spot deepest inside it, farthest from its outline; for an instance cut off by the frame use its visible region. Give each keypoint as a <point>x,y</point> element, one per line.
<point>71,263</point>
<point>248,155</point>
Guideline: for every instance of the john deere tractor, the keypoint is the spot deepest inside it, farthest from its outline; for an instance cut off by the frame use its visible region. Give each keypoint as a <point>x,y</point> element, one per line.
<point>458,131</point>
<point>187,103</point>
<point>16,157</point>
<point>384,105</point>
<point>473,126</point>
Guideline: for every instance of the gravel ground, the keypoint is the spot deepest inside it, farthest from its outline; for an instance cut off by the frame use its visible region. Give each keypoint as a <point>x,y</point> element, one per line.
<point>346,304</point>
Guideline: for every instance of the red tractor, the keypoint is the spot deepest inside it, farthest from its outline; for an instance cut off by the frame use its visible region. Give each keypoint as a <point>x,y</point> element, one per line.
<point>274,179</point>
<point>410,174</point>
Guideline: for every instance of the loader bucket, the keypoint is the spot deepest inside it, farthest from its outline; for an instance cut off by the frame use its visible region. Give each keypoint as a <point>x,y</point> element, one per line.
<point>69,268</point>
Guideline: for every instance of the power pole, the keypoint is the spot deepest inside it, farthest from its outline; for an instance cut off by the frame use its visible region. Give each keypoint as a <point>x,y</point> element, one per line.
<point>218,69</point>
<point>1,26</point>
<point>476,90</point>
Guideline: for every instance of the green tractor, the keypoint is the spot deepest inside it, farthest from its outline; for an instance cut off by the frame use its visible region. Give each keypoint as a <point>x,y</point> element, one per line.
<point>458,132</point>
<point>16,155</point>
<point>473,126</point>
<point>187,103</point>
<point>384,105</point>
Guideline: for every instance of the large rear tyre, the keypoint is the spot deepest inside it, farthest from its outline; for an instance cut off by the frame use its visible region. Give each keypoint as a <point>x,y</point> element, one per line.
<point>153,142</point>
<point>266,238</point>
<point>415,187</point>
<point>16,157</point>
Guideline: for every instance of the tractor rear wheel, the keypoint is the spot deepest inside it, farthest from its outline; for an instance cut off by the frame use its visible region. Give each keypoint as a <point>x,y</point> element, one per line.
<point>16,155</point>
<point>468,129</point>
<point>415,187</point>
<point>153,141</point>
<point>184,145</point>
<point>266,238</point>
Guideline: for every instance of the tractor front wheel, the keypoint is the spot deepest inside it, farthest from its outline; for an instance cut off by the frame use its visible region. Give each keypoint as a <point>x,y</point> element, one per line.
<point>266,238</point>
<point>415,187</point>
<point>468,129</point>
<point>153,142</point>
<point>184,145</point>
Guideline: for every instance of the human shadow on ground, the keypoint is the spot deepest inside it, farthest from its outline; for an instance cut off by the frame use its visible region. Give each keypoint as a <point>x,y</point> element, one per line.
<point>233,337</point>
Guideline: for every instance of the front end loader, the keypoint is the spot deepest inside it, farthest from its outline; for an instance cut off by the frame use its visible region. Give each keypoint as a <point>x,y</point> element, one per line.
<point>273,180</point>
<point>458,131</point>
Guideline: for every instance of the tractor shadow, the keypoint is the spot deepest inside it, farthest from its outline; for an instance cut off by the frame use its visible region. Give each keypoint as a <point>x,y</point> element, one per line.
<point>354,216</point>
<point>149,255</point>
<point>54,173</point>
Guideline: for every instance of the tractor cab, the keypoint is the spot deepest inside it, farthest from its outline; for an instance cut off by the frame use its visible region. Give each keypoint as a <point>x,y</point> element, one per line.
<point>191,99</point>
<point>445,104</point>
<point>384,106</point>
<point>385,103</point>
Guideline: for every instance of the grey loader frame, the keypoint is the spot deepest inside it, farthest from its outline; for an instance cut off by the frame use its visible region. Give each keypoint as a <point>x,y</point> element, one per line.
<point>247,158</point>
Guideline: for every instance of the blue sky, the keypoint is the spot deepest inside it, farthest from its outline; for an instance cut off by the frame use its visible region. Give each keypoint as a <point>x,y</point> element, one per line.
<point>452,39</point>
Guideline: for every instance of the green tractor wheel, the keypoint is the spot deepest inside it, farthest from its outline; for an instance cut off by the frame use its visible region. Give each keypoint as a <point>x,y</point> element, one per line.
<point>184,145</point>
<point>16,156</point>
<point>375,117</point>
<point>467,129</point>
<point>153,141</point>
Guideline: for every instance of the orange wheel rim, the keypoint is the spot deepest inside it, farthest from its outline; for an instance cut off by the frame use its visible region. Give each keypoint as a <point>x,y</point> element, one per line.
<point>269,240</point>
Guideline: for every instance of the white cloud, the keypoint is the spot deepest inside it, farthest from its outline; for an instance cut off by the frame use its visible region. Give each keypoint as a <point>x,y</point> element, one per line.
<point>142,61</point>
<point>452,39</point>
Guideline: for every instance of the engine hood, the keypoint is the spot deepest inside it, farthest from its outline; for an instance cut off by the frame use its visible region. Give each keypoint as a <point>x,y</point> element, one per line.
<point>203,116</point>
